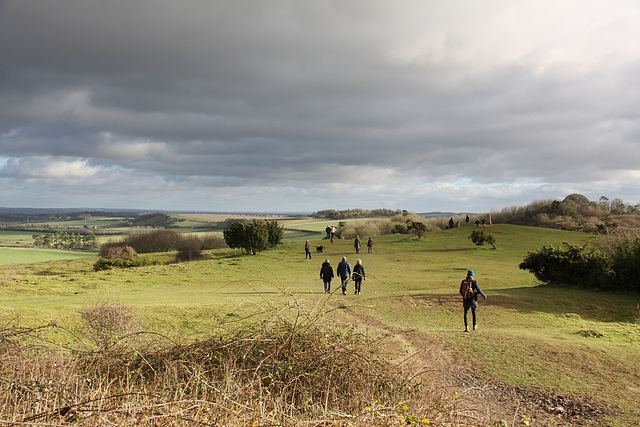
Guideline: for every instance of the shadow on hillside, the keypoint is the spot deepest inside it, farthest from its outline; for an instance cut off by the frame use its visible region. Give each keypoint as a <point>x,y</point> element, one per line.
<point>559,301</point>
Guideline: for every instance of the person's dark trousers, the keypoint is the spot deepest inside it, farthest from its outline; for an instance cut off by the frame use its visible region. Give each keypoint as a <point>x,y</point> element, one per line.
<point>358,285</point>
<point>345,282</point>
<point>473,315</point>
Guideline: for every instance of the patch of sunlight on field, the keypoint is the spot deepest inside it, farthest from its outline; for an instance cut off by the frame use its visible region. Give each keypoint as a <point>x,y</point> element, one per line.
<point>29,255</point>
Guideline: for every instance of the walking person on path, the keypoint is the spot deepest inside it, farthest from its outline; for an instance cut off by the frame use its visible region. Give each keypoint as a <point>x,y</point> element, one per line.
<point>469,290</point>
<point>344,271</point>
<point>370,246</point>
<point>307,250</point>
<point>326,274</point>
<point>358,276</point>
<point>357,244</point>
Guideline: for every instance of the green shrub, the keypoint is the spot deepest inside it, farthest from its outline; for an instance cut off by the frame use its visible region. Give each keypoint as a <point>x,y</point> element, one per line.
<point>569,265</point>
<point>480,238</point>
<point>625,264</point>
<point>254,237</point>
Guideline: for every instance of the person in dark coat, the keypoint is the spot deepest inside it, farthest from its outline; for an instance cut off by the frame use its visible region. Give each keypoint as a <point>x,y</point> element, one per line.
<point>370,246</point>
<point>472,301</point>
<point>358,276</point>
<point>344,271</point>
<point>326,274</point>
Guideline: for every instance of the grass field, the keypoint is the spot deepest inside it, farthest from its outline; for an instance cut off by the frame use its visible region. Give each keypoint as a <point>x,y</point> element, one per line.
<point>566,339</point>
<point>18,255</point>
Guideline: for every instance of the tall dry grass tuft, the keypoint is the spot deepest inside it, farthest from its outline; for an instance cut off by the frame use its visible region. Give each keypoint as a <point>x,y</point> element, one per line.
<point>279,371</point>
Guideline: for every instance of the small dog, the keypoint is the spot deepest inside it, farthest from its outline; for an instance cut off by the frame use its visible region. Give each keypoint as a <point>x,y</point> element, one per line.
<point>320,248</point>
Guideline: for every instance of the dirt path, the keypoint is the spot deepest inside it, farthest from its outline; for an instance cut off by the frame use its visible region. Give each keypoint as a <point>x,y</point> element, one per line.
<point>478,402</point>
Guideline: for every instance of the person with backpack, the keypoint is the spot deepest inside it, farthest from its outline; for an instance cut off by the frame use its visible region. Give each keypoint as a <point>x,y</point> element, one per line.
<point>469,290</point>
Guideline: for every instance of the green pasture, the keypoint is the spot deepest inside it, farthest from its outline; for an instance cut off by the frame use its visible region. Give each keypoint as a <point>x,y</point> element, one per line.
<point>567,339</point>
<point>16,238</point>
<point>20,255</point>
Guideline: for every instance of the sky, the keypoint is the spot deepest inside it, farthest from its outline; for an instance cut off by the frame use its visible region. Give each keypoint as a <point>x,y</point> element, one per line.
<point>306,105</point>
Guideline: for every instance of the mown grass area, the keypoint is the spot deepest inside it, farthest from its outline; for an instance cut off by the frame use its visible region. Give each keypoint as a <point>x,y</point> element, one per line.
<point>15,238</point>
<point>19,255</point>
<point>566,339</point>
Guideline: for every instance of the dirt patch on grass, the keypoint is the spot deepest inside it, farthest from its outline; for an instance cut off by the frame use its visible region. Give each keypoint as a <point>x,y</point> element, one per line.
<point>476,400</point>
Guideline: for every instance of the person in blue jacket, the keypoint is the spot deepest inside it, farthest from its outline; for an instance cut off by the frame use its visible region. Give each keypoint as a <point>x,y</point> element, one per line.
<point>344,271</point>
<point>469,290</point>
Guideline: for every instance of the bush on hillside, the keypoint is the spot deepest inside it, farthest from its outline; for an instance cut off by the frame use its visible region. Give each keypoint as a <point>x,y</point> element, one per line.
<point>189,248</point>
<point>570,265</point>
<point>127,262</point>
<point>479,237</point>
<point>155,241</point>
<point>254,237</point>
<point>625,264</point>
<point>114,250</point>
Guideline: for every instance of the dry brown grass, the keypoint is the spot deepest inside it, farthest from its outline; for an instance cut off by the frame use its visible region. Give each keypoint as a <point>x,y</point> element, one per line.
<point>280,371</point>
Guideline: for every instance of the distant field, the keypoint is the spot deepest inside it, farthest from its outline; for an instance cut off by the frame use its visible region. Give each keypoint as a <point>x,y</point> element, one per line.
<point>16,238</point>
<point>222,217</point>
<point>10,255</point>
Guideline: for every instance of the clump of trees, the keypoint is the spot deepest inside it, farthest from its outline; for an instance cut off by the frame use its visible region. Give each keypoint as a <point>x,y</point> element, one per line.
<point>253,237</point>
<point>613,268</point>
<point>575,212</point>
<point>62,239</point>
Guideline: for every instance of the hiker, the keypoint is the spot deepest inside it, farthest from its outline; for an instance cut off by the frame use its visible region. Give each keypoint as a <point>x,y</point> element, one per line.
<point>307,250</point>
<point>333,233</point>
<point>328,231</point>
<point>344,271</point>
<point>477,223</point>
<point>357,244</point>
<point>466,220</point>
<point>358,276</point>
<point>326,274</point>
<point>469,290</point>
<point>370,246</point>
<point>451,223</point>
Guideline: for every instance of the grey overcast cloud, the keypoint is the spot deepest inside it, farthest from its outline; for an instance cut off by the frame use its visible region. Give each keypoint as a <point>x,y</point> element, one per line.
<point>304,105</point>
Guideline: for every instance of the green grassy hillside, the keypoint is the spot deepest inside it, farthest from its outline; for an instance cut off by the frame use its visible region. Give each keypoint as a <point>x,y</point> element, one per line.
<point>566,339</point>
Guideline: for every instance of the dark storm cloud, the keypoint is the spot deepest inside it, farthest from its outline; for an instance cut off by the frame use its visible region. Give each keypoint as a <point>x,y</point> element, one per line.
<point>285,97</point>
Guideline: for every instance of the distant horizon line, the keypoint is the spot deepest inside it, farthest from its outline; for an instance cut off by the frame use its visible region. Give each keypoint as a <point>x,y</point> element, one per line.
<point>23,210</point>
